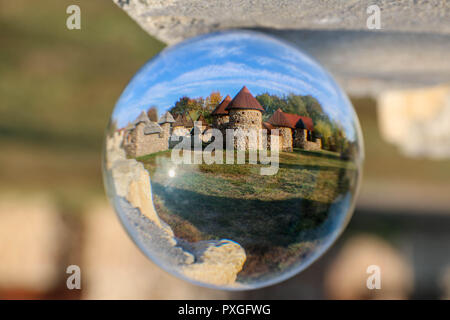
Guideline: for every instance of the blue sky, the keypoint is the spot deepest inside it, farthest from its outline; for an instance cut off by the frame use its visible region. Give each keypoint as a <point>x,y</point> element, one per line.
<point>225,62</point>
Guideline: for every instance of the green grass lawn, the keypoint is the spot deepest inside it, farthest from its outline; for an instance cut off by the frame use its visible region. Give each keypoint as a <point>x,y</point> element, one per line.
<point>272,217</point>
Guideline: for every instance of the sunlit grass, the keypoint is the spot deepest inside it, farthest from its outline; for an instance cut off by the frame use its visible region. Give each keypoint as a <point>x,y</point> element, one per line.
<point>269,216</point>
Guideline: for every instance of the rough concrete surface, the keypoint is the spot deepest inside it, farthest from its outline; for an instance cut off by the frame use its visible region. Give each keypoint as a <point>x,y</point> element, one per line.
<point>409,50</point>
<point>417,131</point>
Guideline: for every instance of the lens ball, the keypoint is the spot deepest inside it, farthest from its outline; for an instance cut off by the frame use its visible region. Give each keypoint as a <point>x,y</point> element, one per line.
<point>233,160</point>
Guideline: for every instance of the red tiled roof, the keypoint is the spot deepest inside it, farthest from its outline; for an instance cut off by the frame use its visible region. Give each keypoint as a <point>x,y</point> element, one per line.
<point>269,128</point>
<point>290,120</point>
<point>220,110</point>
<point>307,123</point>
<point>244,100</point>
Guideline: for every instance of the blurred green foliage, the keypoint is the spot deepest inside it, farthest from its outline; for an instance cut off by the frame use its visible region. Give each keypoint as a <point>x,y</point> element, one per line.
<point>58,88</point>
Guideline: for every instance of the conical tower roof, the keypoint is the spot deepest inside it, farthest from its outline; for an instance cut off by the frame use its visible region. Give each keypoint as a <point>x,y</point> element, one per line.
<point>244,100</point>
<point>182,120</point>
<point>220,109</point>
<point>152,127</point>
<point>166,118</point>
<point>143,117</point>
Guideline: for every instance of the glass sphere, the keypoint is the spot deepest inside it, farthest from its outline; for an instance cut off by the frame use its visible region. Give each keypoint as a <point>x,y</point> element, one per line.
<point>233,160</point>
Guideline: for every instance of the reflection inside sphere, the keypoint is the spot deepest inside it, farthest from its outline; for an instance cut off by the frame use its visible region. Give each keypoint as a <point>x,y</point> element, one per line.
<point>233,160</point>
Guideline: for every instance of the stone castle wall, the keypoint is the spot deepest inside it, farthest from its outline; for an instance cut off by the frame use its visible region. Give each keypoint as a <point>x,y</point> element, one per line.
<point>137,144</point>
<point>286,133</point>
<point>300,138</point>
<point>313,146</point>
<point>166,129</point>
<point>244,121</point>
<point>301,141</point>
<point>269,140</point>
<point>220,122</point>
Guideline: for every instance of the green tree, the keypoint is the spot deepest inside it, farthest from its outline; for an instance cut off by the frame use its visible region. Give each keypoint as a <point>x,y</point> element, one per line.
<point>313,108</point>
<point>181,106</point>
<point>325,131</point>
<point>296,105</point>
<point>266,101</point>
<point>212,101</point>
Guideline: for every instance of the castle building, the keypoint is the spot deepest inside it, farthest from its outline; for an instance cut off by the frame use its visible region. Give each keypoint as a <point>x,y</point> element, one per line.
<point>297,131</point>
<point>220,114</point>
<point>201,129</point>
<point>201,122</point>
<point>166,122</point>
<point>144,136</point>
<point>183,123</point>
<point>268,141</point>
<point>245,116</point>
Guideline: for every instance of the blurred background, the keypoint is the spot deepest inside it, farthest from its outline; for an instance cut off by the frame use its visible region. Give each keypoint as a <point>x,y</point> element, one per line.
<point>57,90</point>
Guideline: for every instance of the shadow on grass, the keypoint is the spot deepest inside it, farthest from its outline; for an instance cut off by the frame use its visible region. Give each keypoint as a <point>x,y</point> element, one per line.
<point>320,154</point>
<point>308,167</point>
<point>265,229</point>
<point>246,221</point>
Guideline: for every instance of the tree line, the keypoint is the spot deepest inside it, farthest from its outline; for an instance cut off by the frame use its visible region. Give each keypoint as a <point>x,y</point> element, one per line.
<point>332,134</point>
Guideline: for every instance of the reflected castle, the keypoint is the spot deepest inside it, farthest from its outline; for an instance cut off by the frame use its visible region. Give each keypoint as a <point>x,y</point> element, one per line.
<point>242,114</point>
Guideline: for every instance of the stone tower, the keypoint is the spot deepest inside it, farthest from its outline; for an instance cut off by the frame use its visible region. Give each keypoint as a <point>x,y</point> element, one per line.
<point>220,114</point>
<point>245,117</point>
<point>166,122</point>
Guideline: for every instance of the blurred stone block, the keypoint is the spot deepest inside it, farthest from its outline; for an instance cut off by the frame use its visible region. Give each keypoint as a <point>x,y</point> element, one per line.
<point>175,20</point>
<point>346,276</point>
<point>417,121</point>
<point>445,283</point>
<point>114,268</point>
<point>32,239</point>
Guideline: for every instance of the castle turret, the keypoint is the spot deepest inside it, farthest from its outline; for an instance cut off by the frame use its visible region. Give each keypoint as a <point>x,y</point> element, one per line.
<point>220,114</point>
<point>296,130</point>
<point>166,122</point>
<point>282,121</point>
<point>245,115</point>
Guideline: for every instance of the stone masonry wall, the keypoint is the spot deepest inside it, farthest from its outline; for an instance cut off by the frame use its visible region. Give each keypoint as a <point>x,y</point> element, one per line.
<point>138,144</point>
<point>300,138</point>
<point>243,121</point>
<point>269,139</point>
<point>166,132</point>
<point>301,141</point>
<point>286,133</point>
<point>220,121</point>
<point>129,143</point>
<point>313,146</point>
